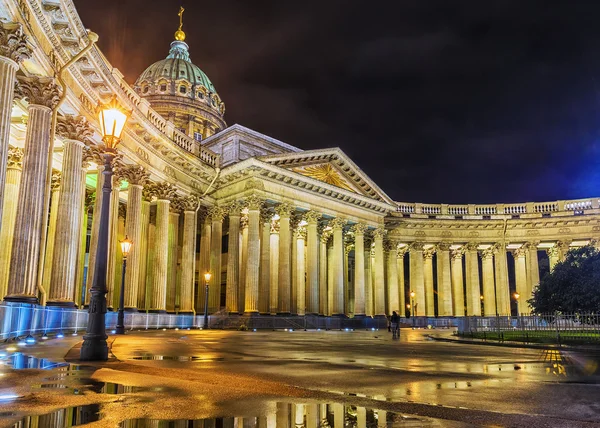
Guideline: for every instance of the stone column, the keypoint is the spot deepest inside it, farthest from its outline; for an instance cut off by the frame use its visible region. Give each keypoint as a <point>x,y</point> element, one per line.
<point>174,212</point>
<point>75,131</point>
<point>143,250</point>
<point>150,258</point>
<point>11,192</point>
<point>253,255</point>
<point>204,262</point>
<point>337,224</point>
<point>300,270</point>
<point>323,305</point>
<point>444,280</point>
<point>458,294</point>
<point>417,278</point>
<point>264,287</point>
<point>552,256</point>
<point>330,265</point>
<point>214,290</point>
<point>95,230</point>
<point>163,192</point>
<point>188,254</point>
<point>473,292</point>
<point>114,249</point>
<point>312,262</point>
<point>519,255</point>
<point>13,50</point>
<point>51,232</point>
<point>502,288</point>
<point>233,258</point>
<point>489,292</point>
<point>243,262</point>
<point>428,281</point>
<point>393,293</point>
<point>274,265</point>
<point>359,269</point>
<point>294,221</point>
<point>563,249</point>
<point>379,285</point>
<point>400,268</point>
<point>533,271</point>
<point>369,309</point>
<point>137,177</point>
<point>42,95</point>
<point>284,278</point>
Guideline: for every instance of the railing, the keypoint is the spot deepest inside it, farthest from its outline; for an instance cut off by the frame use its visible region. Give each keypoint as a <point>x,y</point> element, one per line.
<point>538,208</point>
<point>545,328</point>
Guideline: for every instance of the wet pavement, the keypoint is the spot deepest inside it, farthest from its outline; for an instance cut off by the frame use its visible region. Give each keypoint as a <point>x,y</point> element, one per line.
<point>297,379</point>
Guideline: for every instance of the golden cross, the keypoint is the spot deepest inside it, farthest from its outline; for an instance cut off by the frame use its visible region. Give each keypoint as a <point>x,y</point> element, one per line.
<point>181,10</point>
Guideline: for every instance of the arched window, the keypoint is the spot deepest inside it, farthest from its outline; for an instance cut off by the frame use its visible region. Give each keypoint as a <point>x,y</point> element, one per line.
<point>146,89</point>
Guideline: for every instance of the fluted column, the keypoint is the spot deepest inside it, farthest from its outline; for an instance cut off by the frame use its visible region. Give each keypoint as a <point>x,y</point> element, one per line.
<point>214,290</point>
<point>264,287</point>
<point>533,271</point>
<point>519,255</point>
<point>359,268</point>
<point>400,268</point>
<point>417,277</point>
<point>42,95</point>
<point>391,250</point>
<point>378,286</point>
<point>300,270</point>
<point>163,192</point>
<point>274,276</point>
<point>11,192</point>
<point>204,261</point>
<point>312,261</point>
<point>444,280</point>
<point>51,231</point>
<point>188,254</point>
<point>323,297</point>
<point>489,294</point>
<point>253,255</point>
<point>284,278</point>
<point>428,281</point>
<point>172,282</point>
<point>143,250</point>
<point>473,291</point>
<point>369,308</point>
<point>552,256</point>
<point>563,249</point>
<point>243,262</point>
<point>458,294</point>
<point>113,240</point>
<point>94,233</point>
<point>337,224</point>
<point>233,258</point>
<point>294,221</point>
<point>13,50</point>
<point>75,130</point>
<point>330,269</point>
<point>502,288</point>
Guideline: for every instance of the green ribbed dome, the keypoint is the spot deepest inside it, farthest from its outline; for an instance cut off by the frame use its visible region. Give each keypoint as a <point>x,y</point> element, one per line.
<point>176,66</point>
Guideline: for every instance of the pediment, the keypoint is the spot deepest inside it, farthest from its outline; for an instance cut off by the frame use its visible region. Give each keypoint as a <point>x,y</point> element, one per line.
<point>331,166</point>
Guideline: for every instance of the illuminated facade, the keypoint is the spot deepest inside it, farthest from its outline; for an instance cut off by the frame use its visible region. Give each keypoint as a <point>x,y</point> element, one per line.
<point>283,230</point>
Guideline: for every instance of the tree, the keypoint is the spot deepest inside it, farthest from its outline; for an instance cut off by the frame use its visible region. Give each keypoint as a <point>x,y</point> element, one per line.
<point>572,286</point>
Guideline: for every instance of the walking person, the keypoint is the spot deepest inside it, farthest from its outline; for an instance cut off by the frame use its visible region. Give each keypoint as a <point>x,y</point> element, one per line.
<point>395,325</point>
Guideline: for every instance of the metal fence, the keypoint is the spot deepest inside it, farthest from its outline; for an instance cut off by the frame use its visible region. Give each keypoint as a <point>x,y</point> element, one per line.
<point>543,328</point>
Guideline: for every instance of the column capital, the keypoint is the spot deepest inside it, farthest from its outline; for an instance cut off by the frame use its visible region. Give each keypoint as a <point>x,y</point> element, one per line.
<point>457,253</point>
<point>243,221</point>
<point>552,251</point>
<point>13,42</point>
<point>266,215</point>
<point>532,245</point>
<point>402,251</point>
<point>55,180</point>
<point>75,128</point>
<point>275,226</point>
<point>415,246</point>
<point>234,208</point>
<point>443,246</point>
<point>379,233</point>
<point>429,252</point>
<point>358,228</point>
<point>134,174</point>
<point>254,202</point>
<point>472,246</point>
<point>563,245</point>
<point>312,217</point>
<point>216,213</point>
<point>92,154</point>
<point>300,232</point>
<point>15,158</point>
<point>38,90</point>
<point>337,223</point>
<point>162,191</point>
<point>488,253</point>
<point>520,252</point>
<point>284,209</point>
<point>189,203</point>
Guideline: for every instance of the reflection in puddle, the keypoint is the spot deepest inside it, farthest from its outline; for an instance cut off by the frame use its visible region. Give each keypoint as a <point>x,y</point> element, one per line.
<point>20,361</point>
<point>63,418</point>
<point>288,415</point>
<point>176,358</point>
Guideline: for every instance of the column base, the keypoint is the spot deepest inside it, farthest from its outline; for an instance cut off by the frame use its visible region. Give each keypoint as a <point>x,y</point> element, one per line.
<point>380,317</point>
<point>157,311</point>
<point>21,299</point>
<point>251,314</point>
<point>339,316</point>
<point>60,304</point>
<point>130,310</point>
<point>359,316</point>
<point>265,314</point>
<point>284,314</point>
<point>186,312</point>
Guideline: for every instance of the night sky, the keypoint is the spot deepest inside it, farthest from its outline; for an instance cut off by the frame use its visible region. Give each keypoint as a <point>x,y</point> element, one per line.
<point>437,101</point>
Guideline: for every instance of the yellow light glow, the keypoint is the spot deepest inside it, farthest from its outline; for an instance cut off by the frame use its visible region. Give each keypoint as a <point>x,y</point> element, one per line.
<point>112,118</point>
<point>126,245</point>
<point>412,294</point>
<point>207,276</point>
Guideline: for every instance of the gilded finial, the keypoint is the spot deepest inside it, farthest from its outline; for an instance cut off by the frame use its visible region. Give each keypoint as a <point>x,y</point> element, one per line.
<point>179,34</point>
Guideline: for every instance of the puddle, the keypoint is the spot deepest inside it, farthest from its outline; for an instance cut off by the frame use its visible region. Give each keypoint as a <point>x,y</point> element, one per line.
<point>20,361</point>
<point>178,358</point>
<point>63,418</point>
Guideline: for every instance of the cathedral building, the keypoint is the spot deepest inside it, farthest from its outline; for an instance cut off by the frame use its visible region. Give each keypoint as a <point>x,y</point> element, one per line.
<point>282,230</point>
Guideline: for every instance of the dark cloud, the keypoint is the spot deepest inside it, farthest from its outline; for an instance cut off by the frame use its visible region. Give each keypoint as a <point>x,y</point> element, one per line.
<point>437,101</point>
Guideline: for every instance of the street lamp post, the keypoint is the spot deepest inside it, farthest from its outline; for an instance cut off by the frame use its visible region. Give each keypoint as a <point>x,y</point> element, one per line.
<point>412,301</point>
<point>207,277</point>
<point>125,249</point>
<point>112,120</point>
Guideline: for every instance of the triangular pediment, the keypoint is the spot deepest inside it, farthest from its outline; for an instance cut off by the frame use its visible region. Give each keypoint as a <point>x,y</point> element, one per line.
<point>331,166</point>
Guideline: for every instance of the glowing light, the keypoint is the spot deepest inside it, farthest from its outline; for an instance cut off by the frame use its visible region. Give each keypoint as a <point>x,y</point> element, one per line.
<point>7,397</point>
<point>60,335</point>
<point>30,339</point>
<point>11,348</point>
<point>3,354</point>
<point>22,343</point>
<point>113,331</point>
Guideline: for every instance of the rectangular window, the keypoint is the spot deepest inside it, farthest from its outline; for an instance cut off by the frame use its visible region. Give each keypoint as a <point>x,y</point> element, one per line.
<point>197,136</point>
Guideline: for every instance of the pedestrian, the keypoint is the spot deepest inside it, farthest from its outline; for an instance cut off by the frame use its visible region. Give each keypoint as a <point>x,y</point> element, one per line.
<point>395,325</point>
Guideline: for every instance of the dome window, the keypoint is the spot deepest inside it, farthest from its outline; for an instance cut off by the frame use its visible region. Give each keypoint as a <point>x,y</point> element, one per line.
<point>182,72</point>
<point>146,89</point>
<point>163,87</point>
<point>182,89</point>
<point>214,103</point>
<point>200,95</point>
